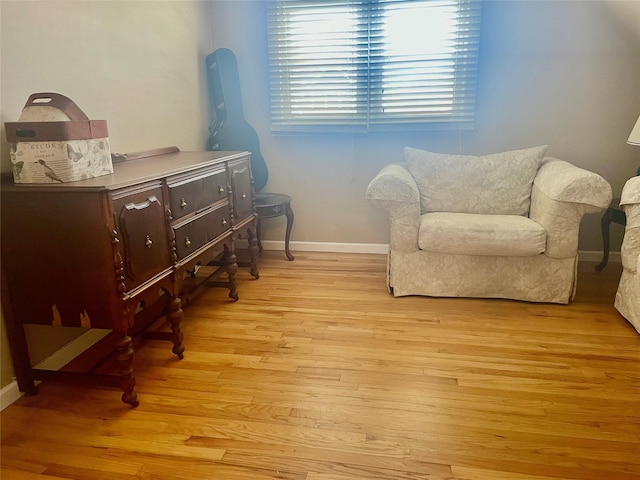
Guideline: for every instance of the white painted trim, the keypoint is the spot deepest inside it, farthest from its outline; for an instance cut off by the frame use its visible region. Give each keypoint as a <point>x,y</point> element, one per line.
<point>9,394</point>
<point>327,247</point>
<point>382,248</point>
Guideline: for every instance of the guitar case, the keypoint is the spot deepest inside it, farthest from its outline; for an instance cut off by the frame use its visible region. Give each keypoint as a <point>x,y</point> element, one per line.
<point>229,129</point>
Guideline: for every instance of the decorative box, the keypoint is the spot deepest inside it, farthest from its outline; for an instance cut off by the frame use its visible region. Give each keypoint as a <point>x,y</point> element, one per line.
<point>54,141</point>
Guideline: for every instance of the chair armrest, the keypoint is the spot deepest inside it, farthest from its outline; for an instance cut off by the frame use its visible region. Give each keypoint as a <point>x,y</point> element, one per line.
<point>562,194</point>
<point>631,192</point>
<point>563,182</point>
<point>393,183</point>
<point>630,203</point>
<point>394,190</point>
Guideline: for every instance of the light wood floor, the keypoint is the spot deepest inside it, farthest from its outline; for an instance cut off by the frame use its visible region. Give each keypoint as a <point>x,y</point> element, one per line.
<point>318,374</point>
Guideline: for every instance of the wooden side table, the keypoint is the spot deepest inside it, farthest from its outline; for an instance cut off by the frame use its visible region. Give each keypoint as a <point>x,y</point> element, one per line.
<point>613,214</point>
<point>269,205</point>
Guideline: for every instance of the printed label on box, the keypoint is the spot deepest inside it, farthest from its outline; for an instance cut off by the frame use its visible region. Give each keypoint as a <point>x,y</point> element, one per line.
<point>64,161</point>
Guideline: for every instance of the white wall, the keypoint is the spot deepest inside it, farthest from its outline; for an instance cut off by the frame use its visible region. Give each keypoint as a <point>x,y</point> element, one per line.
<point>137,64</point>
<point>565,74</point>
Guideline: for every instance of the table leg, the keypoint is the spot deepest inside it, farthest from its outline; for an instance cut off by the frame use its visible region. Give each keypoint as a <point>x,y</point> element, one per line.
<point>253,253</point>
<point>604,226</point>
<point>287,235</point>
<point>259,234</point>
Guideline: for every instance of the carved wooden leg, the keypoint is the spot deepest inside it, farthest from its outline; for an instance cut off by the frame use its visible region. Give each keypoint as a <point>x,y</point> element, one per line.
<point>253,253</point>
<point>259,234</point>
<point>231,267</point>
<point>125,356</point>
<point>287,235</point>
<point>614,214</point>
<point>605,223</point>
<point>174,317</point>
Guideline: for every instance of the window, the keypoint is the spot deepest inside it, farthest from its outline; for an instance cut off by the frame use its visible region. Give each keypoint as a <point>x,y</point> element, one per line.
<point>371,65</point>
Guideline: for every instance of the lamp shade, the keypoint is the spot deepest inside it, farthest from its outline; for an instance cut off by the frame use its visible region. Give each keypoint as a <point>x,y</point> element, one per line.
<point>634,138</point>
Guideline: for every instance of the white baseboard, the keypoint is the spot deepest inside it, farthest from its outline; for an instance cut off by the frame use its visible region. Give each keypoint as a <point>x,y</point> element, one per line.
<point>382,248</point>
<point>9,394</point>
<point>591,256</point>
<point>327,247</point>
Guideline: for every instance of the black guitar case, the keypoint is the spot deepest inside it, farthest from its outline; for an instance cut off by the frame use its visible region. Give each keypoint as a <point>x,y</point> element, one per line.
<point>230,130</point>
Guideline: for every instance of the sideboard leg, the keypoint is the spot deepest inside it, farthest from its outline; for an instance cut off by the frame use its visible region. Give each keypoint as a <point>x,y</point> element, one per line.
<point>174,317</point>
<point>231,267</point>
<point>125,356</point>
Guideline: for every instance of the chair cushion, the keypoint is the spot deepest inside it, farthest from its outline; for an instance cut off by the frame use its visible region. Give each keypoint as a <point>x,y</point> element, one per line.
<point>478,234</point>
<point>498,184</point>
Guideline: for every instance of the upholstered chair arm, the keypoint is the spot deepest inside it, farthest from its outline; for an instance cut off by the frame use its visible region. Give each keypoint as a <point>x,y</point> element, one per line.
<point>562,194</point>
<point>630,203</point>
<point>394,189</point>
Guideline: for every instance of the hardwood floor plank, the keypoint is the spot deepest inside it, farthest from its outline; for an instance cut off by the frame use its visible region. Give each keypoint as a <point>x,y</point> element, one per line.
<point>488,474</point>
<point>76,458</point>
<point>317,373</point>
<point>18,474</point>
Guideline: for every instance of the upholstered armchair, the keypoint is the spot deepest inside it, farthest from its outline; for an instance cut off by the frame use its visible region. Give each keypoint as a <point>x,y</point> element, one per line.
<point>628,296</point>
<point>496,226</point>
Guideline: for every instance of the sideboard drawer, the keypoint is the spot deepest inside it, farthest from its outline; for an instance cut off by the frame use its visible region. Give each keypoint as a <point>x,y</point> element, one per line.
<point>142,223</point>
<point>188,194</point>
<point>200,230</point>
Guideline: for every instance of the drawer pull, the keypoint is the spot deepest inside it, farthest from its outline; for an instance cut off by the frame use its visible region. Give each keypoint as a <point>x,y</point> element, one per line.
<point>224,222</point>
<point>183,203</point>
<point>244,195</point>
<point>220,189</point>
<point>148,242</point>
<point>187,242</point>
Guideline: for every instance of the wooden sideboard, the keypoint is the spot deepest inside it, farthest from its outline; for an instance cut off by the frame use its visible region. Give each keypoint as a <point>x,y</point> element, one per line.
<point>118,251</point>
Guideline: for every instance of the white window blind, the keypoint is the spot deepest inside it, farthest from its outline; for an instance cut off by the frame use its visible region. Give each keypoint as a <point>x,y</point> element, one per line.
<point>367,65</point>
